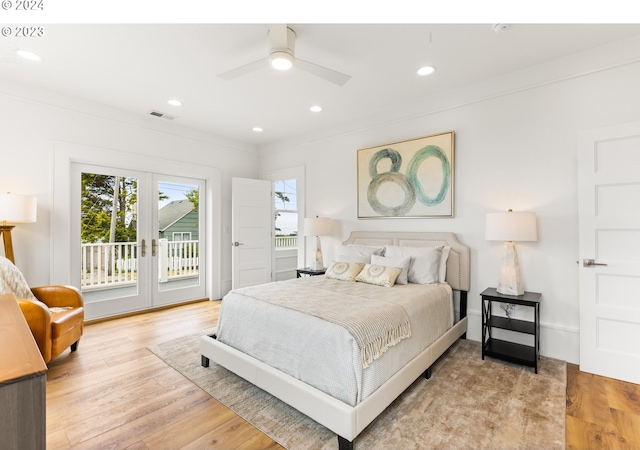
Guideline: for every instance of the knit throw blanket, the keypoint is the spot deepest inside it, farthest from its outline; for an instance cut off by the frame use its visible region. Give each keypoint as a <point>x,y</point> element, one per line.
<point>12,281</point>
<point>375,325</point>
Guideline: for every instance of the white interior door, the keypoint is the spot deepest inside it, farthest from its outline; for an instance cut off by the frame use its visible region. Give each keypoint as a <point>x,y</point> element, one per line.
<point>609,234</point>
<point>251,231</point>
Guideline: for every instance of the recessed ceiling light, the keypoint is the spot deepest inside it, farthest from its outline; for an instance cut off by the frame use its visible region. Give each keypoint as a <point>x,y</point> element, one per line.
<point>28,55</point>
<point>426,70</point>
<point>257,129</point>
<point>316,108</point>
<point>174,102</point>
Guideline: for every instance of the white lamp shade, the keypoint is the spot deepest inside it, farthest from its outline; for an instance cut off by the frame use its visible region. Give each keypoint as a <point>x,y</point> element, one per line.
<point>511,226</point>
<point>317,226</point>
<point>16,208</point>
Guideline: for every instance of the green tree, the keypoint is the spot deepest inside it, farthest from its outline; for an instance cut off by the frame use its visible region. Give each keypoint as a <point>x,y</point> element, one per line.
<point>99,206</point>
<point>194,197</point>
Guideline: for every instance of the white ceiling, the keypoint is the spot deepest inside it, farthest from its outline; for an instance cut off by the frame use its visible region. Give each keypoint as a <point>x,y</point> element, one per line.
<point>139,67</point>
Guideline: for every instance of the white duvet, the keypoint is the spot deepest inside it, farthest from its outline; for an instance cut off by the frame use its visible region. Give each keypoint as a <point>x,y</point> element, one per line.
<point>323,354</point>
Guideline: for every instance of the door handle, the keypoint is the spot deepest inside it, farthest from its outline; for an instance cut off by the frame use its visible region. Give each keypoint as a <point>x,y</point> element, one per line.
<point>236,243</point>
<point>154,245</point>
<point>591,263</point>
<point>143,248</point>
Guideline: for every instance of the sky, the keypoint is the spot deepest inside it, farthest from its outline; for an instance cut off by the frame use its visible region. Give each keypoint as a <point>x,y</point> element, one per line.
<point>175,191</point>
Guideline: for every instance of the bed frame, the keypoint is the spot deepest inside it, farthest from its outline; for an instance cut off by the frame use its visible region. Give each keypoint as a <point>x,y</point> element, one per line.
<point>345,420</point>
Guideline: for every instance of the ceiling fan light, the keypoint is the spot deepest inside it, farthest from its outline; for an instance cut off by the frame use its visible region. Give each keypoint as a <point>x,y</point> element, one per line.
<point>281,60</point>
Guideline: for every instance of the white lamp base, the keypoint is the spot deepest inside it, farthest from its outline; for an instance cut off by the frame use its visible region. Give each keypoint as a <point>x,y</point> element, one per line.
<point>510,282</point>
<point>318,263</point>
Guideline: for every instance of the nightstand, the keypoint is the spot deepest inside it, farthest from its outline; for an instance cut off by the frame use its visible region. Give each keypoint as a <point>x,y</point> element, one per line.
<point>510,351</point>
<point>309,271</point>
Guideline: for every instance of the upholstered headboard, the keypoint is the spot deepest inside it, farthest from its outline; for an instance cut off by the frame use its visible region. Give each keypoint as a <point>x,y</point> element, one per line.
<point>457,264</point>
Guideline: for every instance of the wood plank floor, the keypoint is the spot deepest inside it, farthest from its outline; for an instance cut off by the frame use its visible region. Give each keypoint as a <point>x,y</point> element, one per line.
<point>115,394</point>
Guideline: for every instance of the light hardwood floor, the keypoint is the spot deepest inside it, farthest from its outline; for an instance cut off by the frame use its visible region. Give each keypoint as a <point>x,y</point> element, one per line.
<point>114,393</point>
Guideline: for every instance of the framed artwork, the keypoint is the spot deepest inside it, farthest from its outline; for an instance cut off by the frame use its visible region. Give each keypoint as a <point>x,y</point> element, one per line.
<point>411,178</point>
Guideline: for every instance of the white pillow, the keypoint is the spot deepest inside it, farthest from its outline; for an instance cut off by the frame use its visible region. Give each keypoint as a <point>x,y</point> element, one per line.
<point>425,262</point>
<point>362,251</point>
<point>379,275</point>
<point>354,258</point>
<point>402,262</point>
<point>442,274</point>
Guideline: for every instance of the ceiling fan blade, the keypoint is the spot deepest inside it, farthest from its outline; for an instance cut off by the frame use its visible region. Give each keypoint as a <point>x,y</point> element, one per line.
<point>243,70</point>
<point>333,76</point>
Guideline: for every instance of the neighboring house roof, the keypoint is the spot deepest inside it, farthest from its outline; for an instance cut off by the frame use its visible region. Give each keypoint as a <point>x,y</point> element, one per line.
<point>172,212</point>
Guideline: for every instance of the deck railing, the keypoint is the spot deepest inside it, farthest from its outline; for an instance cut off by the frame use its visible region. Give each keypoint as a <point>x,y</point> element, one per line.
<point>106,265</point>
<point>286,241</point>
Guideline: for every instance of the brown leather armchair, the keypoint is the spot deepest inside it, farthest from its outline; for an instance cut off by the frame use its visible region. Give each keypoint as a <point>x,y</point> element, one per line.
<point>56,318</point>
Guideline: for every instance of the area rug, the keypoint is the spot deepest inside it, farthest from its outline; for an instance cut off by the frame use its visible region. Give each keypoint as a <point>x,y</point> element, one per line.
<point>467,403</point>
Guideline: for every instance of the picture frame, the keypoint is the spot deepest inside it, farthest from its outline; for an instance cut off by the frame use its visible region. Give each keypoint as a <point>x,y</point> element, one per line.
<point>410,179</point>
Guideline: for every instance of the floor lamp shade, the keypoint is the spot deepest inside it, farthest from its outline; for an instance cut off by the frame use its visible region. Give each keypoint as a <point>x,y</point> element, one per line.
<point>318,226</point>
<point>509,227</point>
<point>15,208</point>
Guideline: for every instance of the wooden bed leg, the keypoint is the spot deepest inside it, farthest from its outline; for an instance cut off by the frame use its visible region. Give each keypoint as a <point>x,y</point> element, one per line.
<point>343,444</point>
<point>427,373</point>
<point>204,361</point>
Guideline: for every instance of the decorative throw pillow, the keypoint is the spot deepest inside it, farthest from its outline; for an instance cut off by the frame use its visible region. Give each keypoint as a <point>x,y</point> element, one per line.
<point>12,281</point>
<point>425,262</point>
<point>345,271</point>
<point>379,275</point>
<point>363,252</point>
<point>399,261</point>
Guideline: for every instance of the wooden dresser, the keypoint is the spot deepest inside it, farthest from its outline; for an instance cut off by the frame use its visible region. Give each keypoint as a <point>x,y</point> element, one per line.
<point>22,382</point>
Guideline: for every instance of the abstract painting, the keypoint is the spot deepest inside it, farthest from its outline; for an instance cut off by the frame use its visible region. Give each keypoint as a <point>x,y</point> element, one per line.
<point>411,178</point>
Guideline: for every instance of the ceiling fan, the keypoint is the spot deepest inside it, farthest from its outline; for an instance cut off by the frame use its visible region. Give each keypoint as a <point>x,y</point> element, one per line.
<point>282,41</point>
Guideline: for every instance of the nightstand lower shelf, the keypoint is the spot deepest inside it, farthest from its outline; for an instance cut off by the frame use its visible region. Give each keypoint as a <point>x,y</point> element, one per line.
<point>510,351</point>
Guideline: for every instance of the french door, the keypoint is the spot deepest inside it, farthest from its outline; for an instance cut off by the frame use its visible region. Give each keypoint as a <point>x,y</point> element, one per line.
<point>138,239</point>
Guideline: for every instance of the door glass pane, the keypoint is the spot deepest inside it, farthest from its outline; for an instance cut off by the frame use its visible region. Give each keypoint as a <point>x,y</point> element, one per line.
<point>109,234</point>
<point>178,246</point>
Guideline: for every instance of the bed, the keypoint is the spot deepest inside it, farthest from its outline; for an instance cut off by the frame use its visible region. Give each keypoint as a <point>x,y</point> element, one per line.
<point>345,395</point>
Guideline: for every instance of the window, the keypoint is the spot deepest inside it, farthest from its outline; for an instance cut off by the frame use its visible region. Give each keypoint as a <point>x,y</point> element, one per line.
<point>182,236</point>
<point>286,213</point>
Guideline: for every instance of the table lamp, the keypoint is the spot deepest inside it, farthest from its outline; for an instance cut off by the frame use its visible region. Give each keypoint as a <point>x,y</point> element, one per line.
<point>317,226</point>
<point>509,227</point>
<point>15,208</point>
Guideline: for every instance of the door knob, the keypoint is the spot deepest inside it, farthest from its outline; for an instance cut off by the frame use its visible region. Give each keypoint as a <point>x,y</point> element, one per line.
<point>236,243</point>
<point>591,263</point>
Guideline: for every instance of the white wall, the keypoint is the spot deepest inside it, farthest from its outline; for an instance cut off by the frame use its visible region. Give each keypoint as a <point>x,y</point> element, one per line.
<point>33,121</point>
<point>515,147</point>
